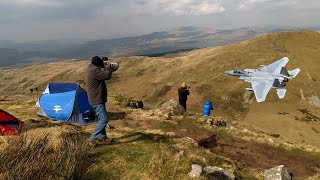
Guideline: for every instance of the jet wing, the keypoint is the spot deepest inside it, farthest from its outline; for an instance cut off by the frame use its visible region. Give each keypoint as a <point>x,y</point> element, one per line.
<point>261,90</point>
<point>275,68</point>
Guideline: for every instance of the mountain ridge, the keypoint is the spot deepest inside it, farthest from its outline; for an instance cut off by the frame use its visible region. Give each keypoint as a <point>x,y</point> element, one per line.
<point>156,80</point>
<point>154,43</point>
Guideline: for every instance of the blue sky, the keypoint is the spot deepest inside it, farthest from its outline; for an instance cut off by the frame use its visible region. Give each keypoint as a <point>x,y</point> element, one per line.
<point>31,20</point>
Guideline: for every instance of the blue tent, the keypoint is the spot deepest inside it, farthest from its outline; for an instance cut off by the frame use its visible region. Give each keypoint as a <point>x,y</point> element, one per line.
<point>66,102</point>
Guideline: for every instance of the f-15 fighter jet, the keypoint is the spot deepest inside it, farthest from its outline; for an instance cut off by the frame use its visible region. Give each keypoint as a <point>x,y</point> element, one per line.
<point>263,79</point>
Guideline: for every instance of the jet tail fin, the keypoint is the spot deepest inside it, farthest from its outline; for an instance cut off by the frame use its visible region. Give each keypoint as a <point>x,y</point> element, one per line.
<point>281,93</point>
<point>294,73</point>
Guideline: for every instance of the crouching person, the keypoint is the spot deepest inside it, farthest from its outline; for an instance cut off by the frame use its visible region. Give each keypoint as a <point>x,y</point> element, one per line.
<point>207,107</point>
<point>96,74</point>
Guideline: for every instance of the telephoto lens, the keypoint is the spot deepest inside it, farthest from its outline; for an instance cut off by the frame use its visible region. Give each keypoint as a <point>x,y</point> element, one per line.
<point>114,66</point>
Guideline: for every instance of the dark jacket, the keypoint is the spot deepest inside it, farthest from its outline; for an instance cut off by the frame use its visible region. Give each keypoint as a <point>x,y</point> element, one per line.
<point>183,94</point>
<point>96,86</point>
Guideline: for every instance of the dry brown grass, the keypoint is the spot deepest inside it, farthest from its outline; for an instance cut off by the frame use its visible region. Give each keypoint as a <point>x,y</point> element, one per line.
<point>30,157</point>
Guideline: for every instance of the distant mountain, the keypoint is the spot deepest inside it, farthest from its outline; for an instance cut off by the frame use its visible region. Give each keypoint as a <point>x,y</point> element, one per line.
<point>9,57</point>
<point>153,44</point>
<point>160,42</point>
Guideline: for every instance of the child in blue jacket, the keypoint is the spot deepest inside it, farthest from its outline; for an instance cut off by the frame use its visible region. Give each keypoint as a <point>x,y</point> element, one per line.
<point>207,107</point>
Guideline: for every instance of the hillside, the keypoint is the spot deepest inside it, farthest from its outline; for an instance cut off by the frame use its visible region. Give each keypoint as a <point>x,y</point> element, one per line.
<point>153,44</point>
<point>252,127</point>
<point>156,80</point>
<point>201,69</point>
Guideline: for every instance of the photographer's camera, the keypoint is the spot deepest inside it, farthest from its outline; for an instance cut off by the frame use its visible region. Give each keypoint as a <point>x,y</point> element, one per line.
<point>113,65</point>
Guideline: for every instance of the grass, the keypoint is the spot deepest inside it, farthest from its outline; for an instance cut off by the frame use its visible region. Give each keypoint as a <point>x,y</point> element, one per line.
<point>147,156</point>
<point>36,157</point>
<point>121,100</point>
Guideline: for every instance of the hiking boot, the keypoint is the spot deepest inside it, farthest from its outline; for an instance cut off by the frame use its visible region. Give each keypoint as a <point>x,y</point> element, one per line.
<point>92,143</point>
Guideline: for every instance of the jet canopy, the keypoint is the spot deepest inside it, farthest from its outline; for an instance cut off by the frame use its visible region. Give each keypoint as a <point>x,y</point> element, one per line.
<point>238,71</point>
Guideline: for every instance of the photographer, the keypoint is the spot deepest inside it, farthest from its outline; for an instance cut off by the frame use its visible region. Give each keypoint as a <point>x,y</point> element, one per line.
<point>97,72</point>
<point>183,92</point>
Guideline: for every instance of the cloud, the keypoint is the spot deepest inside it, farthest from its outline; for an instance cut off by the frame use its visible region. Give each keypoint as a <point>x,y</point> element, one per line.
<point>248,4</point>
<point>264,6</point>
<point>33,2</point>
<point>178,7</point>
<point>20,11</point>
<point>49,19</point>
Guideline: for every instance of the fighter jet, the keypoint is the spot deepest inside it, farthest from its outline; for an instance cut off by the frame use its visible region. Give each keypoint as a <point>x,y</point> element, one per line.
<point>264,78</point>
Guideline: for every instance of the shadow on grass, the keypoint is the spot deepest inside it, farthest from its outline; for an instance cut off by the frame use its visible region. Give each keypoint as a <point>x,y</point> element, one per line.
<point>308,116</point>
<point>31,124</point>
<point>116,115</point>
<point>137,137</point>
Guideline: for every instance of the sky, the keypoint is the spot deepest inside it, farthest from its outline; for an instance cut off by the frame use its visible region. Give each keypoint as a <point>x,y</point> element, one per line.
<point>33,20</point>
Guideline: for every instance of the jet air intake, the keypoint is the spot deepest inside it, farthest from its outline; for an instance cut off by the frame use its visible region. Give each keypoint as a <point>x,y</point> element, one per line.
<point>284,72</point>
<point>249,89</point>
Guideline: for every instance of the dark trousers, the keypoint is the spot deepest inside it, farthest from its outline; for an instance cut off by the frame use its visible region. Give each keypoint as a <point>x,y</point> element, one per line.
<point>183,103</point>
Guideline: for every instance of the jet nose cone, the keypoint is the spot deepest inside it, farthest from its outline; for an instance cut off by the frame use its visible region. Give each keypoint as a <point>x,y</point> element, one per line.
<point>227,72</point>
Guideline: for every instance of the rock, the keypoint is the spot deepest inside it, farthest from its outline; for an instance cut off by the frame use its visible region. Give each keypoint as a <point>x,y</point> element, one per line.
<point>167,116</point>
<point>216,173</point>
<point>277,173</point>
<point>210,121</point>
<point>195,171</point>
<point>161,113</point>
<point>207,151</point>
<point>314,100</point>
<point>202,119</point>
<point>135,104</point>
<point>187,140</point>
<point>220,123</point>
<point>170,134</point>
<point>172,122</point>
<point>173,106</point>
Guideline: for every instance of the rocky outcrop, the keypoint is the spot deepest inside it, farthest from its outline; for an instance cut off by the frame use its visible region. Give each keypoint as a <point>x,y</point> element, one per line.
<point>213,121</point>
<point>314,100</point>
<point>173,106</point>
<point>211,173</point>
<point>195,171</point>
<point>216,173</point>
<point>136,104</point>
<point>277,173</point>
<point>161,113</point>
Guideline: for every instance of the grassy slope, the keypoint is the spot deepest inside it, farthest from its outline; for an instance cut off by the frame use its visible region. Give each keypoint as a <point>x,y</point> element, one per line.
<point>156,80</point>
<point>203,70</point>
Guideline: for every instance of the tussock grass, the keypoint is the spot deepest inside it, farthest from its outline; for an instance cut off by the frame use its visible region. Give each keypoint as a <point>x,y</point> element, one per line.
<point>148,156</point>
<point>29,157</point>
